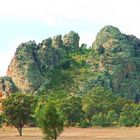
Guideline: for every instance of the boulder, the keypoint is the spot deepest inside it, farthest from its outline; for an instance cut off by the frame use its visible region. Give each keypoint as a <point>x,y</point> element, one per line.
<point>24,68</point>
<point>57,41</point>
<point>71,39</point>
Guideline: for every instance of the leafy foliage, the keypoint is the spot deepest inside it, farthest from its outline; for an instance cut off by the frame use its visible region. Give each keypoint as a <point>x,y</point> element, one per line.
<point>98,100</point>
<point>105,119</point>
<point>71,110</point>
<point>49,121</point>
<point>18,109</point>
<point>96,85</point>
<point>130,115</point>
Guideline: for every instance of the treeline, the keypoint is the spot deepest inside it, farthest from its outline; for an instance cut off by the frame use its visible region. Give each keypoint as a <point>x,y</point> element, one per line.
<point>99,107</point>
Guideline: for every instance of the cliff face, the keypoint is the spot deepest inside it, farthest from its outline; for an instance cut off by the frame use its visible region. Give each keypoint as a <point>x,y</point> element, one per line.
<point>58,64</point>
<point>29,66</point>
<point>24,68</point>
<point>118,58</point>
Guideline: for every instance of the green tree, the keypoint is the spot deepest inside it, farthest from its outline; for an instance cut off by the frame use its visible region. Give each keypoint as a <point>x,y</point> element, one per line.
<point>49,121</point>
<point>18,109</point>
<point>98,100</point>
<point>71,109</point>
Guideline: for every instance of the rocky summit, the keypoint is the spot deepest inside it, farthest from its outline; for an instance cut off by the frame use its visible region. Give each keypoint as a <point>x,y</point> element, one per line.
<point>118,59</point>
<point>30,63</point>
<point>59,64</point>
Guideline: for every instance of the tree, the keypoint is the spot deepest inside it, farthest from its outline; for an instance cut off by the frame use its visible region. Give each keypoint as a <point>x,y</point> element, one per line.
<point>71,109</point>
<point>49,121</point>
<point>18,109</point>
<point>98,100</point>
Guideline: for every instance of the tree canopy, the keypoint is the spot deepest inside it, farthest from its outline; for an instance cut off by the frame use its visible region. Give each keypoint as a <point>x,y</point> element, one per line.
<point>49,121</point>
<point>18,109</point>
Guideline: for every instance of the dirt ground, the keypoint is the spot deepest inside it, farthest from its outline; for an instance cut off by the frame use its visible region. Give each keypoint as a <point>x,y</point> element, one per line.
<point>76,134</point>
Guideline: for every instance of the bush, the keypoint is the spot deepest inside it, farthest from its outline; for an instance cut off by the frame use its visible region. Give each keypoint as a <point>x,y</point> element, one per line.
<point>100,120</point>
<point>130,115</point>
<point>126,121</point>
<point>85,124</point>
<point>103,119</point>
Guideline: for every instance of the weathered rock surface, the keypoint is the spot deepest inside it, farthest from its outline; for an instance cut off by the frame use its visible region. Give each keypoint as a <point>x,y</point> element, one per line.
<point>24,68</point>
<point>50,52</point>
<point>7,86</point>
<point>57,41</point>
<point>29,66</point>
<point>112,62</point>
<point>118,58</point>
<point>71,39</point>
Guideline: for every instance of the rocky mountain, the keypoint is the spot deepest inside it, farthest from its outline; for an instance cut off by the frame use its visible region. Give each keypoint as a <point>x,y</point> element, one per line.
<point>118,59</point>
<point>59,64</point>
<point>29,66</point>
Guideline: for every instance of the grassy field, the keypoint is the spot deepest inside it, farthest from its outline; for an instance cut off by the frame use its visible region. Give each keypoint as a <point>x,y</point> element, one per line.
<point>76,134</point>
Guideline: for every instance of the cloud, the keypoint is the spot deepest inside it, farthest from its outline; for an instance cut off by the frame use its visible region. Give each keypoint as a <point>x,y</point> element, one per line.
<point>86,17</point>
<point>54,12</point>
<point>46,9</point>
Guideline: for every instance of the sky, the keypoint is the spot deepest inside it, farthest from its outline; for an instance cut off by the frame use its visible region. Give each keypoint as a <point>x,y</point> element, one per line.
<point>24,20</point>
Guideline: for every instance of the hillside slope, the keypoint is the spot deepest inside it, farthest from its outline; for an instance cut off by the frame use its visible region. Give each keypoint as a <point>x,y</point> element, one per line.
<point>59,65</point>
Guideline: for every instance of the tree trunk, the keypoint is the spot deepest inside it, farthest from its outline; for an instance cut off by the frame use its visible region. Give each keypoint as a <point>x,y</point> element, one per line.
<point>20,131</point>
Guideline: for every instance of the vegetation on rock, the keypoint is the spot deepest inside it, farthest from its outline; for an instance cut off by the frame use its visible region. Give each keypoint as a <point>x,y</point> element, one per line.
<point>90,86</point>
<point>118,57</point>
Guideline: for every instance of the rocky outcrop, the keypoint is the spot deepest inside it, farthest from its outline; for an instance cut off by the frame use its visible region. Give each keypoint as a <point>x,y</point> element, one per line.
<point>50,52</point>
<point>57,41</point>
<point>71,40</point>
<point>7,86</point>
<point>118,56</point>
<point>24,68</point>
<point>31,62</point>
<point>112,62</point>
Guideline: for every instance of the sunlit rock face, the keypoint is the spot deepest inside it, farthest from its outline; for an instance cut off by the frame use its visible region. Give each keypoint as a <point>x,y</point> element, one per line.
<point>24,68</point>
<point>31,62</point>
<point>71,39</point>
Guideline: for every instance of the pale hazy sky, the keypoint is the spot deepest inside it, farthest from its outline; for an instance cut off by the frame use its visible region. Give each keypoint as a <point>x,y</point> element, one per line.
<point>24,20</point>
